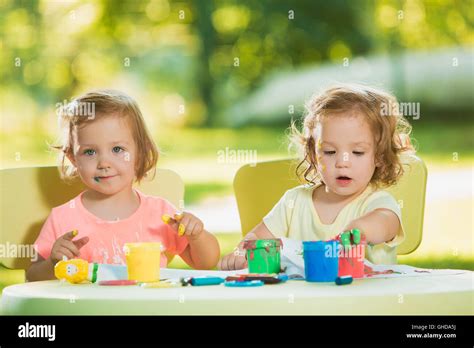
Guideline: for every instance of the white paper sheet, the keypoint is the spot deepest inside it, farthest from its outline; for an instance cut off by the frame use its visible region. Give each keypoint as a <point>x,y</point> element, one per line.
<point>397,271</point>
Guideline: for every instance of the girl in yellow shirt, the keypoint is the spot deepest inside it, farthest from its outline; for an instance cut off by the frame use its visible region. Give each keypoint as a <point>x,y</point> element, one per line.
<point>351,143</point>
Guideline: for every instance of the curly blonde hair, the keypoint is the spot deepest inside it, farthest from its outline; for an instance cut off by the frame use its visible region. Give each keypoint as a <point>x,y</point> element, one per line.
<point>105,103</point>
<point>391,130</point>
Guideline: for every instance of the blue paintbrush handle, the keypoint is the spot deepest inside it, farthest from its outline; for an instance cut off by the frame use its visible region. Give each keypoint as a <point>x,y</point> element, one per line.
<point>206,281</point>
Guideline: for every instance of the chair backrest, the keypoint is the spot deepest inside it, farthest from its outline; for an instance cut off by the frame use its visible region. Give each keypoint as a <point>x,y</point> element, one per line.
<point>27,196</point>
<point>258,187</point>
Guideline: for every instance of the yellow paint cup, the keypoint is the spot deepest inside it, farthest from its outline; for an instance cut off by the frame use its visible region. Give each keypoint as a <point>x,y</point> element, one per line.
<point>143,261</point>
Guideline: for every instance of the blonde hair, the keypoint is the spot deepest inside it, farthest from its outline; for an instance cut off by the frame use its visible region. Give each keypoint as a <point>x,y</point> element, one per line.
<point>391,130</point>
<point>105,103</point>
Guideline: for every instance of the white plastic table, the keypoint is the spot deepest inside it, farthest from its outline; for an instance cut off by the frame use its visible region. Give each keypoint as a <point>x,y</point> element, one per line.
<point>424,295</point>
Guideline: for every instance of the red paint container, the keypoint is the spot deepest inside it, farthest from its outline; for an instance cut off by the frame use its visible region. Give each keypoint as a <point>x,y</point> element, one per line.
<point>351,261</point>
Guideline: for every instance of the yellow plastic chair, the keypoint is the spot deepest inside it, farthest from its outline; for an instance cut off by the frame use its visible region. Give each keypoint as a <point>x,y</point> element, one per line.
<point>27,196</point>
<point>259,187</point>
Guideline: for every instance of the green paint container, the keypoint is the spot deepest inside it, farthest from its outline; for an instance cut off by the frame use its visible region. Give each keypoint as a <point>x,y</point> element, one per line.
<point>263,255</point>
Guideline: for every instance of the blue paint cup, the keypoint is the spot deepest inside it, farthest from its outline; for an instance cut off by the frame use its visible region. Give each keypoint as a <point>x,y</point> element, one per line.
<point>321,261</point>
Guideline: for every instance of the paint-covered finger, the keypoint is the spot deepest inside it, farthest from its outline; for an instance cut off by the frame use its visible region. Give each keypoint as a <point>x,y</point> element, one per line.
<point>240,262</point>
<point>345,238</point>
<point>178,216</point>
<point>166,218</point>
<point>70,235</point>
<point>230,262</point>
<point>355,235</point>
<point>181,229</point>
<point>192,228</point>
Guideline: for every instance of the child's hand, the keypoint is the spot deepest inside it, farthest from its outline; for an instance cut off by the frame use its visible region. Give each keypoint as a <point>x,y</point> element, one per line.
<point>234,260</point>
<point>186,224</point>
<point>350,237</point>
<point>66,246</point>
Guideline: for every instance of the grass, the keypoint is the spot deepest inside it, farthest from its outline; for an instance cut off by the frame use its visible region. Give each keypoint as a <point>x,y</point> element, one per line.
<point>441,140</point>
<point>196,192</point>
<point>194,153</point>
<point>191,142</point>
<point>434,140</point>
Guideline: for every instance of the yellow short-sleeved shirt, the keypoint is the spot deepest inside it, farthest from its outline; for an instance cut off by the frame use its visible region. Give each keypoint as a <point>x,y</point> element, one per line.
<point>295,216</point>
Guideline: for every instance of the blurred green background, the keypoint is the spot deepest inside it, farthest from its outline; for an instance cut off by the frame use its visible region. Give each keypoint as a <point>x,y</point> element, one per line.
<point>217,75</point>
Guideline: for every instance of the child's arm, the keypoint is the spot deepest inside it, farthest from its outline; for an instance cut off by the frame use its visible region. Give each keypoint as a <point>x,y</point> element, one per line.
<point>202,252</point>
<point>378,226</point>
<point>236,259</point>
<point>63,246</point>
<point>40,270</point>
<point>203,249</point>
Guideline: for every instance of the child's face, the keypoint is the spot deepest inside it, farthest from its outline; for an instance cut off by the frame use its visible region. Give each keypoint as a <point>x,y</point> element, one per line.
<point>345,153</point>
<point>104,154</point>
